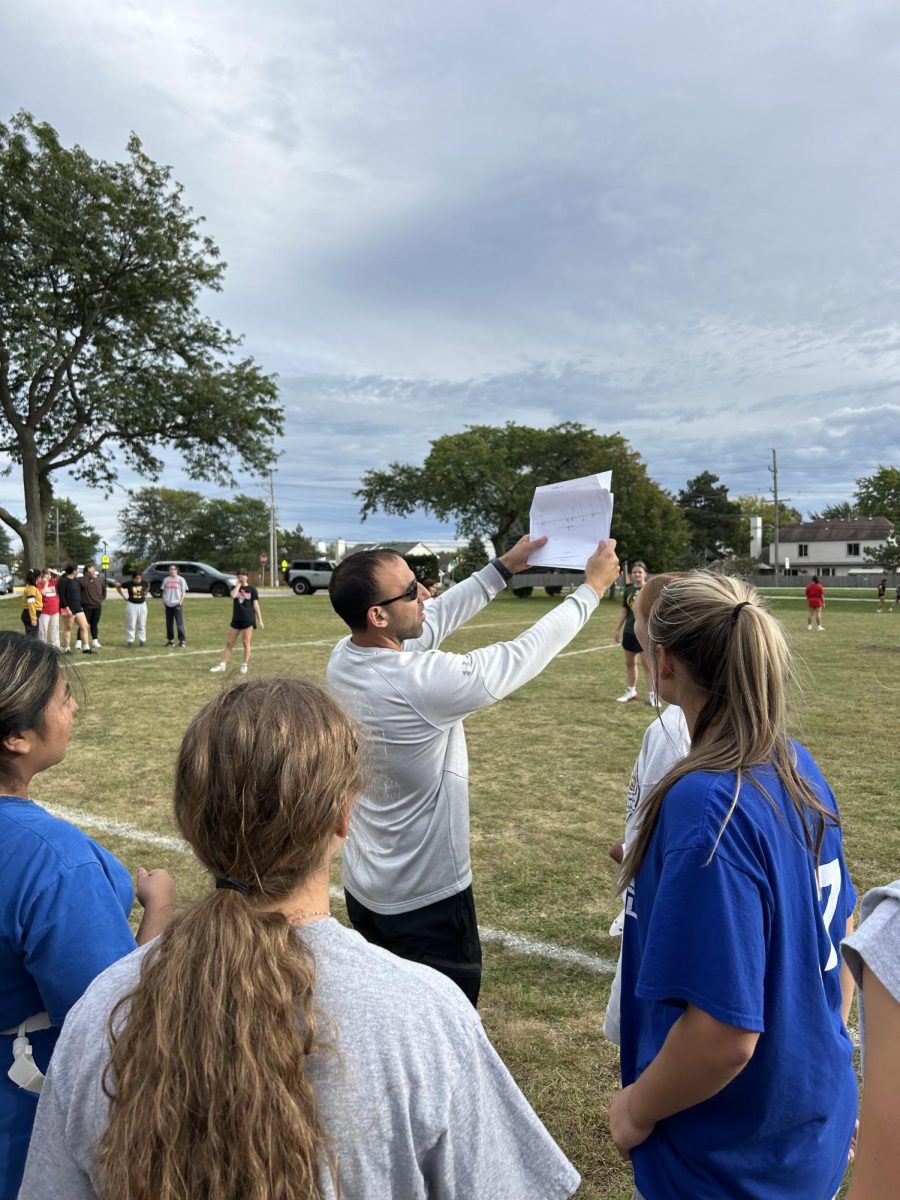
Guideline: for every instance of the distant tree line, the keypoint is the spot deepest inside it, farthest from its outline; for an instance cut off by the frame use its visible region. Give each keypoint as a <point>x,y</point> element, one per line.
<point>161,522</point>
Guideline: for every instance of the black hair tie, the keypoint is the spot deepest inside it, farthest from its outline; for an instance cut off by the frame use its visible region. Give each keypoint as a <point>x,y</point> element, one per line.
<point>736,610</point>
<point>227,882</point>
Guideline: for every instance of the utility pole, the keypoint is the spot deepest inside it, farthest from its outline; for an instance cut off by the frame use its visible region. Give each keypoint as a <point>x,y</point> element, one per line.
<point>773,470</point>
<point>273,535</point>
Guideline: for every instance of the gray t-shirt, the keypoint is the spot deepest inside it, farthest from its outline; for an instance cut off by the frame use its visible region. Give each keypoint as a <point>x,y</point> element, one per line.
<point>877,944</point>
<point>409,835</point>
<point>416,1100</point>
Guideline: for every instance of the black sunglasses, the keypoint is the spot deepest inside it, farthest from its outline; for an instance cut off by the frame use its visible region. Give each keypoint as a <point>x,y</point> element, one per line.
<point>411,593</point>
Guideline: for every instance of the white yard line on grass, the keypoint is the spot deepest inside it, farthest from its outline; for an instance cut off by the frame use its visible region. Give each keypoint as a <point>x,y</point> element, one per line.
<point>590,650</point>
<point>512,941</point>
<point>135,657</point>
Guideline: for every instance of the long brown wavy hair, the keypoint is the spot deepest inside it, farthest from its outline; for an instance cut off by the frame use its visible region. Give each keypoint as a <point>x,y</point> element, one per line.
<point>207,1077</point>
<point>740,659</point>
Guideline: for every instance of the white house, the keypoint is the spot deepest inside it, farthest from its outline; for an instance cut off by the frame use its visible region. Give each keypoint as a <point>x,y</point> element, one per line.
<point>830,547</point>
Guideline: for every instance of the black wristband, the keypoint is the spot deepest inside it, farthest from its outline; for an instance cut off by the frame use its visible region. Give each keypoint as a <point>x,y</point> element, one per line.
<point>504,570</point>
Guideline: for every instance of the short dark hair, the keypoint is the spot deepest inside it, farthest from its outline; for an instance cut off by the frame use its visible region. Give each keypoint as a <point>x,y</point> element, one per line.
<point>70,567</point>
<point>815,579</point>
<point>352,585</point>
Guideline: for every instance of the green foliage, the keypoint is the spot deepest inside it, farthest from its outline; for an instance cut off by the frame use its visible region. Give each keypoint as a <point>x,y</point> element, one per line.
<point>6,549</point>
<point>887,556</point>
<point>293,543</point>
<point>163,522</point>
<point>843,511</point>
<point>78,541</point>
<point>423,566</point>
<point>762,506</point>
<point>102,345</point>
<point>159,522</point>
<point>717,525</point>
<point>232,533</point>
<point>471,558</point>
<point>878,495</point>
<point>485,478</point>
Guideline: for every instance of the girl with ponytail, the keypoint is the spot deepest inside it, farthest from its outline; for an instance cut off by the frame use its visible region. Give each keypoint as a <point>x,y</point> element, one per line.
<point>259,1050</point>
<point>736,1063</point>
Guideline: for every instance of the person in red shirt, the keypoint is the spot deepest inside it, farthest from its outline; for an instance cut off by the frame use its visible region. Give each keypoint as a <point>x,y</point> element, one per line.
<point>815,602</point>
<point>48,621</point>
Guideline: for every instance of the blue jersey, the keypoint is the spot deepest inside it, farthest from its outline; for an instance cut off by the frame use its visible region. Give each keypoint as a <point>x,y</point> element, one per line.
<point>751,937</point>
<point>64,904</point>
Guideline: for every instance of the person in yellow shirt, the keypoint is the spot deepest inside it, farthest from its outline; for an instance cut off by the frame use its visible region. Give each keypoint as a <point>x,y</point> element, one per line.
<point>32,603</point>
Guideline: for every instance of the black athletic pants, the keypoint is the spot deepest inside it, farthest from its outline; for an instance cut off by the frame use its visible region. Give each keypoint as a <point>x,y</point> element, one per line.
<point>443,935</point>
<point>93,620</point>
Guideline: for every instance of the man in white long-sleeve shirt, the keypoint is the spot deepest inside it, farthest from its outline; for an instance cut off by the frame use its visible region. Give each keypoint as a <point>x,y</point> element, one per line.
<point>407,870</point>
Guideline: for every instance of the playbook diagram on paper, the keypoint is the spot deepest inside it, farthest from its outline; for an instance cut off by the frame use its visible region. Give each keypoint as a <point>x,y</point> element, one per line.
<point>574,515</point>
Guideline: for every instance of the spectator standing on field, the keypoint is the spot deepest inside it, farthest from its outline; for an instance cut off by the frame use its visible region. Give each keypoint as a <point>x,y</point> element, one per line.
<point>624,631</point>
<point>882,588</point>
<point>32,602</point>
<point>134,591</point>
<point>93,593</point>
<point>815,602</point>
<point>407,870</point>
<point>48,622</point>
<point>174,587</point>
<point>72,610</point>
<point>245,616</point>
<point>896,603</point>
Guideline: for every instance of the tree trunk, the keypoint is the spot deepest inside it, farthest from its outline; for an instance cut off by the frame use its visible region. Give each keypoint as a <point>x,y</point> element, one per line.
<point>32,535</point>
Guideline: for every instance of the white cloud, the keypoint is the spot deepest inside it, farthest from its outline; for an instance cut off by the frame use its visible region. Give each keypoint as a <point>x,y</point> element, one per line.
<point>678,221</point>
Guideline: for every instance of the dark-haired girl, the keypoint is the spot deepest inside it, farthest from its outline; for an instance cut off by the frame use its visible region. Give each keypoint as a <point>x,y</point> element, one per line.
<point>64,900</point>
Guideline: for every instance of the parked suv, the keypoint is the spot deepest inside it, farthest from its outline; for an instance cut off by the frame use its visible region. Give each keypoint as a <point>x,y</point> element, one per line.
<point>6,579</point>
<point>200,577</point>
<point>308,574</point>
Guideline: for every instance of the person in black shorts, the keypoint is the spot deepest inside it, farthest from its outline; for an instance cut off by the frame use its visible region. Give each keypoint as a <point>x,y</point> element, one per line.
<point>245,616</point>
<point>632,647</point>
<point>72,610</point>
<point>882,589</point>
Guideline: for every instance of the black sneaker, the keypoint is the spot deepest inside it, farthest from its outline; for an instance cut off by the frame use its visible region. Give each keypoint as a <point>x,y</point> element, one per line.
<point>170,643</point>
<point>181,645</point>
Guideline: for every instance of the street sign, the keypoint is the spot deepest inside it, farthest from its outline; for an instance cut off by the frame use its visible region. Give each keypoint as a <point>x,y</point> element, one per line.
<point>264,558</point>
<point>104,562</point>
<point>284,564</point>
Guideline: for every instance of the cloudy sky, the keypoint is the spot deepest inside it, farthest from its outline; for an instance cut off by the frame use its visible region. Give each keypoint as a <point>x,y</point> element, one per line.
<point>676,221</point>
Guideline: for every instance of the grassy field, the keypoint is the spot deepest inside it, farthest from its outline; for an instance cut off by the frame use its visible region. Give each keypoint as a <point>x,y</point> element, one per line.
<point>549,768</point>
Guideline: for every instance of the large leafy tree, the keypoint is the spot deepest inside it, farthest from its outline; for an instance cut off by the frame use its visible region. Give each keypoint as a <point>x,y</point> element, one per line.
<point>718,528</point>
<point>104,354</point>
<point>878,495</point>
<point>78,540</point>
<point>484,479</point>
<point>232,533</point>
<point>160,522</point>
<point>293,543</point>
